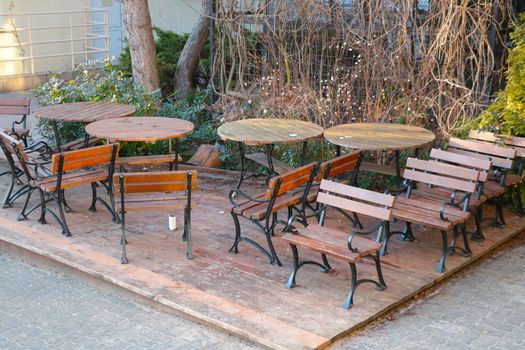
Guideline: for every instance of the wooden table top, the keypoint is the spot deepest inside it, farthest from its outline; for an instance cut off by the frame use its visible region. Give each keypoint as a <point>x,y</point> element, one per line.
<point>84,112</point>
<point>379,136</point>
<point>256,132</point>
<point>142,129</point>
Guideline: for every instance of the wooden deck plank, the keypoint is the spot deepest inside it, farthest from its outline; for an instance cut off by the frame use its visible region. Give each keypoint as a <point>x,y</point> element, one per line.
<point>241,293</point>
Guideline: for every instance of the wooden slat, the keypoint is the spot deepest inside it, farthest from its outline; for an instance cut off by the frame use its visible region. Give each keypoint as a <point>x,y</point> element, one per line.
<point>423,217</point>
<point>290,180</point>
<point>338,165</point>
<point>359,193</point>
<point>482,147</point>
<point>378,168</point>
<point>483,165</point>
<point>72,180</point>
<point>14,110</point>
<point>438,180</point>
<point>155,182</point>
<point>79,143</point>
<point>261,158</point>
<point>322,247</point>
<point>443,169</point>
<point>354,206</point>
<point>83,158</point>
<point>496,161</point>
<point>340,238</point>
<point>513,141</point>
<point>158,176</point>
<point>151,159</point>
<point>24,102</point>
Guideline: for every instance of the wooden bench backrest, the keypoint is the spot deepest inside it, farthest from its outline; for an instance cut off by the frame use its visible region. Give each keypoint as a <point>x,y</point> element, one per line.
<point>482,165</point>
<point>512,141</point>
<point>441,174</point>
<point>356,199</point>
<point>338,166</point>
<point>12,145</point>
<point>290,180</point>
<point>501,157</point>
<point>155,182</point>
<point>83,158</point>
<point>14,106</point>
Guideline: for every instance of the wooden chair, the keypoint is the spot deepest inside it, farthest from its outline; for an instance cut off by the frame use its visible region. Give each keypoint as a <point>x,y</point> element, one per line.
<point>419,205</point>
<point>18,108</point>
<point>39,153</point>
<point>512,180</point>
<point>502,159</point>
<point>262,209</point>
<point>68,170</point>
<point>345,246</point>
<point>151,191</point>
<point>481,195</point>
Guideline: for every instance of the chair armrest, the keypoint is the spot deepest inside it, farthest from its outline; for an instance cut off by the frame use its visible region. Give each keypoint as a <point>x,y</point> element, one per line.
<point>238,192</point>
<point>362,232</point>
<point>292,229</point>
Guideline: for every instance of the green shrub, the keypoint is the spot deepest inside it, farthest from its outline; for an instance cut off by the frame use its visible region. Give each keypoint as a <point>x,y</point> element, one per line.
<point>91,84</point>
<point>169,46</point>
<point>507,113</point>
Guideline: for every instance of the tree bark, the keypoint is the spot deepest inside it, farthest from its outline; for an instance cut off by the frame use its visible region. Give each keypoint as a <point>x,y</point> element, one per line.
<point>141,44</point>
<point>189,57</point>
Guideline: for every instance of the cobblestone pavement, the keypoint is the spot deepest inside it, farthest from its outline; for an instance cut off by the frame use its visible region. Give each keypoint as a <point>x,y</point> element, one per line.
<point>481,308</point>
<point>40,309</point>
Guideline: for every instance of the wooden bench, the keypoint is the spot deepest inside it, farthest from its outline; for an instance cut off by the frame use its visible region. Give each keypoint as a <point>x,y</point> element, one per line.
<point>81,143</point>
<point>502,159</point>
<point>152,160</point>
<point>72,169</point>
<point>262,159</point>
<point>340,245</point>
<point>154,192</point>
<point>420,208</point>
<point>512,180</point>
<point>19,108</point>
<point>262,209</point>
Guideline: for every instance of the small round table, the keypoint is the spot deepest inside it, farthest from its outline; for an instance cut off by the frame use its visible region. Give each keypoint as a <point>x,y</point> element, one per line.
<point>81,112</point>
<point>142,129</point>
<point>379,137</point>
<point>268,132</point>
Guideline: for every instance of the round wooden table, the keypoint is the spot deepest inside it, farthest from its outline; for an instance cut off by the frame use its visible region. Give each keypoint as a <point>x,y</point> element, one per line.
<point>379,137</point>
<point>81,112</point>
<point>142,129</point>
<point>268,132</point>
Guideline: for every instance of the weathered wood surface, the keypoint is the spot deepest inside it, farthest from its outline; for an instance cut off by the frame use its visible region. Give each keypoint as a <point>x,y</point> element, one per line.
<point>141,129</point>
<point>257,132</point>
<point>379,136</point>
<point>241,293</point>
<point>84,112</point>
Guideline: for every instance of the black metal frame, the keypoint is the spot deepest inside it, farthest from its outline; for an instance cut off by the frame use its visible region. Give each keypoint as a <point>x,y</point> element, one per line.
<point>407,235</point>
<point>58,195</point>
<point>382,226</point>
<point>247,163</point>
<point>186,236</point>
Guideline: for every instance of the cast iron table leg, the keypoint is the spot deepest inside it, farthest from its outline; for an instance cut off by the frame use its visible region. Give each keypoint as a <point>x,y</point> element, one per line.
<point>57,135</point>
<point>303,153</point>
<point>243,163</point>
<point>269,151</point>
<point>176,154</point>
<point>398,166</point>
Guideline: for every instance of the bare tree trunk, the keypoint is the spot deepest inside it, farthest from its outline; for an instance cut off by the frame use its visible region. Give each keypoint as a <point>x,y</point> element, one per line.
<point>141,44</point>
<point>189,57</point>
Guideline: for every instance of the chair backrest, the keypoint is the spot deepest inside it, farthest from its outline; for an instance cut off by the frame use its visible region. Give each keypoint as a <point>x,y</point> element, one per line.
<point>512,141</point>
<point>14,106</point>
<point>501,157</point>
<point>155,182</point>
<point>441,174</point>
<point>338,166</point>
<point>11,146</point>
<point>302,176</point>
<point>482,165</point>
<point>357,200</point>
<point>83,158</point>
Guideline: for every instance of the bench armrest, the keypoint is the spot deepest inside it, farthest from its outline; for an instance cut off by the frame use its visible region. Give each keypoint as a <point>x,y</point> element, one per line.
<point>20,122</point>
<point>362,232</point>
<point>292,229</point>
<point>238,192</point>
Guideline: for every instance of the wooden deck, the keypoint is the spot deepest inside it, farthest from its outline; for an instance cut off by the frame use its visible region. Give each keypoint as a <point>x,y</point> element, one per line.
<point>241,294</point>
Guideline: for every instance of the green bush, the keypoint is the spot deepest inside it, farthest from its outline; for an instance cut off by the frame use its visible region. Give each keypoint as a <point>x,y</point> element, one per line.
<point>169,46</point>
<point>91,84</point>
<point>507,113</point>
